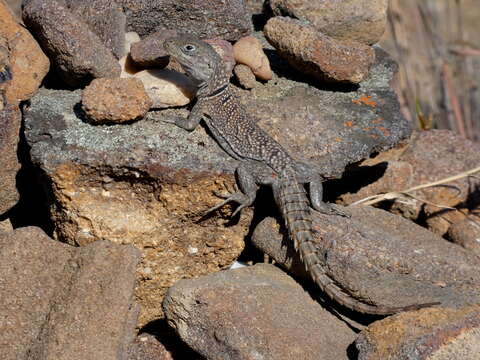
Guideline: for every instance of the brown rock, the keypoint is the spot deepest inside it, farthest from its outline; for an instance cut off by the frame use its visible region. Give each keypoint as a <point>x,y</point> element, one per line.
<point>105,19</point>
<point>148,184</point>
<point>10,121</point>
<point>6,225</point>
<point>115,100</point>
<point>359,20</point>
<point>61,302</point>
<point>256,312</point>
<point>27,64</point>
<point>149,52</point>
<point>428,334</point>
<point>77,53</point>
<point>146,347</point>
<point>245,76</point>
<point>319,55</point>
<point>466,233</point>
<point>249,51</point>
<point>383,258</point>
<point>204,18</point>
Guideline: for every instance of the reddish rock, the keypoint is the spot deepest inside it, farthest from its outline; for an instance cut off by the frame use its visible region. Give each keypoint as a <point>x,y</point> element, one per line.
<point>149,51</point>
<point>255,312</point>
<point>466,233</point>
<point>77,54</point>
<point>428,334</point>
<point>359,20</point>
<point>245,76</point>
<point>249,51</point>
<point>115,100</point>
<point>22,58</point>
<point>319,55</point>
<point>10,121</point>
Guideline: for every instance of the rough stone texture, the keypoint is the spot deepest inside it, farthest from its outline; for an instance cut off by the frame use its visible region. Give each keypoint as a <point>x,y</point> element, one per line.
<point>149,51</point>
<point>319,55</point>
<point>204,18</point>
<point>61,302</point>
<point>6,225</point>
<point>466,233</point>
<point>384,259</point>
<point>10,121</point>
<point>104,18</point>
<point>245,76</point>
<point>27,65</point>
<point>77,53</point>
<point>428,334</point>
<point>148,183</point>
<point>249,51</point>
<point>359,20</point>
<point>146,347</point>
<point>429,156</point>
<point>256,312</point>
<point>115,100</point>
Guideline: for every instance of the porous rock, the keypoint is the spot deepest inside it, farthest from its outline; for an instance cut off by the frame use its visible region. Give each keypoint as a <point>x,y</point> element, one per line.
<point>245,76</point>
<point>255,312</point>
<point>149,51</point>
<point>249,51</point>
<point>105,19</point>
<point>428,334</point>
<point>61,302</point>
<point>204,18</point>
<point>359,20</point>
<point>427,157</point>
<point>77,54</point>
<point>115,100</point>
<point>148,184</point>
<point>317,54</point>
<point>10,121</point>
<point>382,259</point>
<point>23,64</point>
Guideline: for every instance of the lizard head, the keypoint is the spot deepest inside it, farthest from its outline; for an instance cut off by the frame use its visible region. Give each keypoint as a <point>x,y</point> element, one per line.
<point>197,57</point>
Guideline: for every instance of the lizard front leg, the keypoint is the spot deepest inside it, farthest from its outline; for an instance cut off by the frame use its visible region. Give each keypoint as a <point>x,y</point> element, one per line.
<point>191,122</point>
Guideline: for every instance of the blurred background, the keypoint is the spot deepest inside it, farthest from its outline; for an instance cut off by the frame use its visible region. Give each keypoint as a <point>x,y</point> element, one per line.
<point>437,45</point>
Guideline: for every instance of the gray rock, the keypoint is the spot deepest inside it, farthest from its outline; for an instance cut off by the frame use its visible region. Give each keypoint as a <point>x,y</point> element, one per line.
<point>10,121</point>
<point>105,19</point>
<point>466,233</point>
<point>205,18</point>
<point>429,334</point>
<point>245,76</point>
<point>77,54</point>
<point>383,258</point>
<point>61,302</point>
<point>149,51</point>
<point>359,20</point>
<point>255,312</point>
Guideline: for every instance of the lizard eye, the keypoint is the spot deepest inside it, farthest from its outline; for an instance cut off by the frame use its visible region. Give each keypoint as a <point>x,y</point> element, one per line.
<point>189,47</point>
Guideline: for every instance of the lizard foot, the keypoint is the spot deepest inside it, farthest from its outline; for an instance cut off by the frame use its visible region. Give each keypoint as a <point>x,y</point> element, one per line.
<point>238,197</point>
<point>330,209</point>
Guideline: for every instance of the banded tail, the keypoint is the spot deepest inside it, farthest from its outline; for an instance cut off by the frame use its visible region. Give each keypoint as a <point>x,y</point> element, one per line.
<point>295,208</point>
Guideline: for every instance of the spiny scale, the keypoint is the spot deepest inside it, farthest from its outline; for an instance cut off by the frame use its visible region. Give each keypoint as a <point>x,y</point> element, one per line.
<point>263,161</point>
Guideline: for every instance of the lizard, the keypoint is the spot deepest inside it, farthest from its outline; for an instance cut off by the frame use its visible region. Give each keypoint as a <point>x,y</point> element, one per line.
<point>262,161</point>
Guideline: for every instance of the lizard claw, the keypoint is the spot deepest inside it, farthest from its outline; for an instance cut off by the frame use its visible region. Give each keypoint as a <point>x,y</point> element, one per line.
<point>237,197</point>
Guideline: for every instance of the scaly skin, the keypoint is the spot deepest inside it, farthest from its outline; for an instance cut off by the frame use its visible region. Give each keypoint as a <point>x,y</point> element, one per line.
<point>263,161</point>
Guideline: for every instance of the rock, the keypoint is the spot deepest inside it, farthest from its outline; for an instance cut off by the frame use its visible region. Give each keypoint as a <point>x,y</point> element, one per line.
<point>149,52</point>
<point>466,233</point>
<point>319,55</point>
<point>428,334</point>
<point>26,64</point>
<point>383,258</point>
<point>204,18</point>
<point>6,225</point>
<point>249,51</point>
<point>131,38</point>
<point>245,76</point>
<point>362,21</point>
<point>78,55</point>
<point>61,302</point>
<point>429,156</point>
<point>10,122</point>
<point>166,88</point>
<point>225,50</point>
<point>105,19</point>
<point>255,312</point>
<point>115,100</point>
<point>146,347</point>
<point>148,184</point>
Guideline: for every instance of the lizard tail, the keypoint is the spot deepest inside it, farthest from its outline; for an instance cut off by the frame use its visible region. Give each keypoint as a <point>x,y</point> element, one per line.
<point>295,208</point>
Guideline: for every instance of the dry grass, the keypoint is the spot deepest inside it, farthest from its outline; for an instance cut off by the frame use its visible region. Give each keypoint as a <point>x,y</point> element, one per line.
<point>437,45</point>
